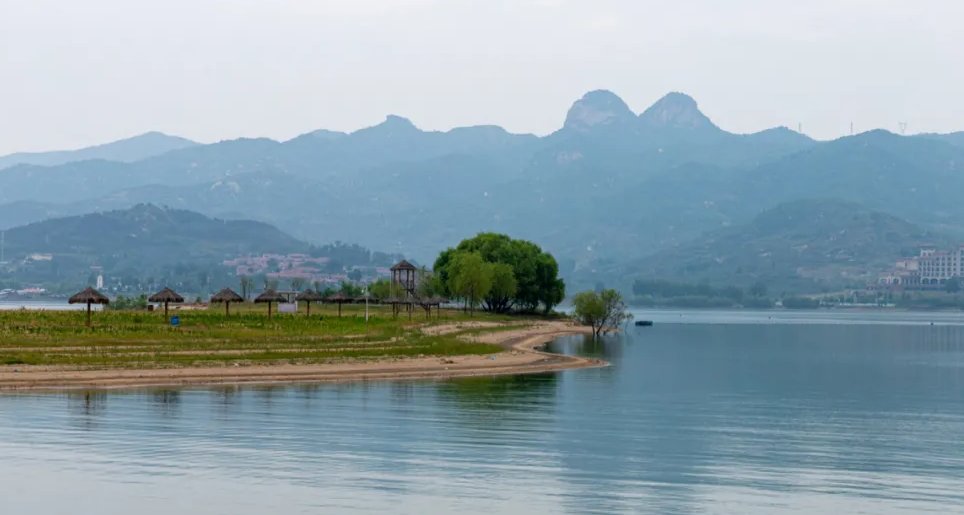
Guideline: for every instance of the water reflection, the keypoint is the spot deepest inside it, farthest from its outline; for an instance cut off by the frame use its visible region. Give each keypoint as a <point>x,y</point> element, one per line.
<point>764,418</point>
<point>85,407</point>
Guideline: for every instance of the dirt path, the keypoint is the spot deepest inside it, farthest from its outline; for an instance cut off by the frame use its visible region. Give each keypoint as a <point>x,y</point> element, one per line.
<point>519,357</point>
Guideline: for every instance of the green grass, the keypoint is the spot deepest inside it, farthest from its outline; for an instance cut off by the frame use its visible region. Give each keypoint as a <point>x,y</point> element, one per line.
<point>121,339</point>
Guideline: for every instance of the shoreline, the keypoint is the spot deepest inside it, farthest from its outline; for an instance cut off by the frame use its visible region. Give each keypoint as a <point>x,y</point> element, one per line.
<point>520,355</point>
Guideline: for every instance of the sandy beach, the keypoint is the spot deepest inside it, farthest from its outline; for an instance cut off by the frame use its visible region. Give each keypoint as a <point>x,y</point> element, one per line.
<point>520,355</point>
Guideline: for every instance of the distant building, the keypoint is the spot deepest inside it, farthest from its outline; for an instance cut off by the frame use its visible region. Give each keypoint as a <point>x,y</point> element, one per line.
<point>930,269</point>
<point>936,267</point>
<point>100,282</point>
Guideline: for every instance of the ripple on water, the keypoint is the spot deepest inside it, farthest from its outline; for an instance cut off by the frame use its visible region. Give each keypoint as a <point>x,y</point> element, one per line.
<point>740,418</point>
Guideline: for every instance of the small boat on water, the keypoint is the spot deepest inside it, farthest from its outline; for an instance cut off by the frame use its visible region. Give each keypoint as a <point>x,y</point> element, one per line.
<point>644,323</point>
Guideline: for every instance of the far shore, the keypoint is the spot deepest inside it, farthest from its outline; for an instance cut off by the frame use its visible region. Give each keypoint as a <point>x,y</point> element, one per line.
<point>520,355</point>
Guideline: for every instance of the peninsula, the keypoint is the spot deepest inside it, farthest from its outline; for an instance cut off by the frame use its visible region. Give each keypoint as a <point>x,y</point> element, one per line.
<point>52,351</point>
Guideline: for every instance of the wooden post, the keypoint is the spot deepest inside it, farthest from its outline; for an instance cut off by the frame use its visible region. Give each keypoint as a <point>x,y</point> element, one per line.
<point>88,313</point>
<point>227,308</point>
<point>165,310</point>
<point>339,309</point>
<point>308,302</point>
<point>269,310</point>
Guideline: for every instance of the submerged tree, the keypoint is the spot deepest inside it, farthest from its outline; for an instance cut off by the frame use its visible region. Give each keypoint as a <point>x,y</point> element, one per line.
<point>604,311</point>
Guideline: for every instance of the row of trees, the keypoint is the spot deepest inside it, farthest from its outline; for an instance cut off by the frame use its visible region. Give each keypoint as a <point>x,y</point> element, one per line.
<point>501,274</point>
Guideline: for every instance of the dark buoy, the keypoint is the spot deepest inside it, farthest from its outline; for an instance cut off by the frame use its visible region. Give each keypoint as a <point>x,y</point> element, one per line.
<point>644,323</point>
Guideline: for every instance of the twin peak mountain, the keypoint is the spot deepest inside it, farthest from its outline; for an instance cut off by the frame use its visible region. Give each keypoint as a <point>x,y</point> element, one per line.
<point>599,110</point>
<point>602,108</point>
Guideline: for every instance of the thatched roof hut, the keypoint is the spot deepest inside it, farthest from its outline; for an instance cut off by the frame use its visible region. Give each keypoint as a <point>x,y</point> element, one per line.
<point>89,296</point>
<point>403,265</point>
<point>166,296</point>
<point>269,297</point>
<point>339,298</point>
<point>309,296</point>
<point>429,302</point>
<point>227,296</point>
<point>396,304</point>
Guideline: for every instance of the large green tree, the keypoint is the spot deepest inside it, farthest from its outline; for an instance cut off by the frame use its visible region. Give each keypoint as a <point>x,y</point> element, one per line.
<point>470,278</point>
<point>536,273</point>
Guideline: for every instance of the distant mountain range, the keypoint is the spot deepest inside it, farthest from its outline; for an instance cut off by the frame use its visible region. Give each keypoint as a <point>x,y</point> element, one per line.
<point>804,245</point>
<point>125,151</point>
<point>608,188</point>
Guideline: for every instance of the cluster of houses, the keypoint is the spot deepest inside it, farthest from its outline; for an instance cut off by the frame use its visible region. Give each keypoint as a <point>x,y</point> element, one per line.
<point>931,269</point>
<point>23,292</point>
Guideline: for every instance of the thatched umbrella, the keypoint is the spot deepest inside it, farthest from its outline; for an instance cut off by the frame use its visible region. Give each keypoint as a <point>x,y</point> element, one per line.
<point>166,296</point>
<point>309,296</point>
<point>270,296</point>
<point>339,298</point>
<point>227,296</point>
<point>394,303</point>
<point>430,302</point>
<point>89,296</point>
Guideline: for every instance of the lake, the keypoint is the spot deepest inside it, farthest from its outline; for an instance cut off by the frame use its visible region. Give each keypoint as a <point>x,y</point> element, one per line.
<point>722,412</point>
<point>44,305</point>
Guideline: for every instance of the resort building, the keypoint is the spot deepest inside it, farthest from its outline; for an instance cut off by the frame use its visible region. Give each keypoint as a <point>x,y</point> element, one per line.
<point>930,269</point>
<point>936,267</point>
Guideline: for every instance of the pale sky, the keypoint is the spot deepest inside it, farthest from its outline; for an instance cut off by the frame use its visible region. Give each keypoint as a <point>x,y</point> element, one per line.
<point>76,73</point>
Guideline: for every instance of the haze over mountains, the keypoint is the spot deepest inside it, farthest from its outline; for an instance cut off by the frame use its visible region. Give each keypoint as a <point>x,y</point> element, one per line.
<point>803,245</point>
<point>148,241</point>
<point>607,189</point>
<point>126,150</point>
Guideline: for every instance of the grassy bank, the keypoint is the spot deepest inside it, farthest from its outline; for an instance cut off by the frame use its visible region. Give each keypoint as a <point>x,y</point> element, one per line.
<point>123,339</point>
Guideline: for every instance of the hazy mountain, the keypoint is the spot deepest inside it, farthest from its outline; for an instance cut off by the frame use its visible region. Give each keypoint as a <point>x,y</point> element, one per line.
<point>24,212</point>
<point>803,245</point>
<point>125,150</point>
<point>607,187</point>
<point>147,234</point>
<point>916,178</point>
<point>146,243</point>
<point>676,111</point>
<point>954,138</point>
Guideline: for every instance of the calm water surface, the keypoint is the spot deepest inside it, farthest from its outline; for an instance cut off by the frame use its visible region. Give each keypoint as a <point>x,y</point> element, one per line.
<point>41,305</point>
<point>704,412</point>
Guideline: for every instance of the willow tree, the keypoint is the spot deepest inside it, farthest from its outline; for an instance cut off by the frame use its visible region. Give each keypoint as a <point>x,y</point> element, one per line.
<point>469,278</point>
<point>536,273</point>
<point>604,311</point>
